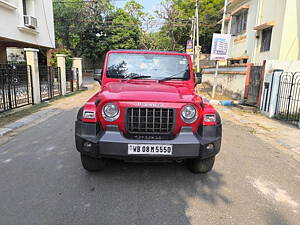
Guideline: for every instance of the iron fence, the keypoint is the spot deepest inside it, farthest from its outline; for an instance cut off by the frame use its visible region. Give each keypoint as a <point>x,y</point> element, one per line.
<point>288,99</point>
<point>72,79</point>
<point>50,82</point>
<point>15,86</point>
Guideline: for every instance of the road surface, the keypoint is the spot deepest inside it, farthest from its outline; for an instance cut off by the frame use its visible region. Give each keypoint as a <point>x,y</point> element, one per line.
<point>42,182</point>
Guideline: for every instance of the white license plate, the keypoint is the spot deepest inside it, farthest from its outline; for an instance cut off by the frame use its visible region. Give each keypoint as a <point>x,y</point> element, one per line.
<point>145,149</point>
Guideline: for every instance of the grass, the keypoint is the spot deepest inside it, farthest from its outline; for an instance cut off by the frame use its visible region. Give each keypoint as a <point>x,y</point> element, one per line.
<point>16,114</point>
<point>291,117</point>
<point>12,116</point>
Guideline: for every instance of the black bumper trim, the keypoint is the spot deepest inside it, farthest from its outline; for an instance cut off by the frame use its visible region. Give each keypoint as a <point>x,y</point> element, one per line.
<point>112,144</point>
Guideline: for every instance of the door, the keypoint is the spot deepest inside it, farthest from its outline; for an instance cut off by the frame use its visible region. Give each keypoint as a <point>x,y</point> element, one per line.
<point>254,85</point>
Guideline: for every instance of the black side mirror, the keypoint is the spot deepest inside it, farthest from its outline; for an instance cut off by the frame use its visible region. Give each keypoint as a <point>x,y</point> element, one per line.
<point>98,75</point>
<point>198,78</point>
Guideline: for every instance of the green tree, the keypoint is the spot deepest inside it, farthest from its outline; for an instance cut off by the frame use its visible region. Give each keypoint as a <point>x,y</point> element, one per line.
<point>94,27</point>
<point>177,15</point>
<point>68,28</point>
<point>126,26</point>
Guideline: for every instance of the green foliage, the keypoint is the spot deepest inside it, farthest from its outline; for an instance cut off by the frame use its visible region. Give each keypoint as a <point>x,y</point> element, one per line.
<point>92,28</point>
<point>68,27</point>
<point>156,41</point>
<point>66,52</point>
<point>180,12</point>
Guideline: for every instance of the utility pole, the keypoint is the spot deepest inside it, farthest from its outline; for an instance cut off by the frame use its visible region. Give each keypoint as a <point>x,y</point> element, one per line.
<point>217,63</point>
<point>224,17</point>
<point>192,37</point>
<point>197,37</point>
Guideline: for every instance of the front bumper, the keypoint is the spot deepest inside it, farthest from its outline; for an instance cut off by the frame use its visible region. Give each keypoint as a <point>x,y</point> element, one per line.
<point>112,144</point>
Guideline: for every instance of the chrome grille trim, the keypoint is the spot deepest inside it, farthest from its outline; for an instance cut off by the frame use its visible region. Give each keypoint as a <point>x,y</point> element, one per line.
<point>150,120</point>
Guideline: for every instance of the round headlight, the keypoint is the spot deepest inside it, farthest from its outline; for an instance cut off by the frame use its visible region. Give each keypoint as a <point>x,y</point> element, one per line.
<point>189,114</point>
<point>110,112</point>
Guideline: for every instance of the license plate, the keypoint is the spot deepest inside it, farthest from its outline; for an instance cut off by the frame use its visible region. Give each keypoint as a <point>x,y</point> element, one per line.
<point>145,149</point>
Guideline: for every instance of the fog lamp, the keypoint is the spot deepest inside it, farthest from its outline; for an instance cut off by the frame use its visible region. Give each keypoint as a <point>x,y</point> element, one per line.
<point>210,147</point>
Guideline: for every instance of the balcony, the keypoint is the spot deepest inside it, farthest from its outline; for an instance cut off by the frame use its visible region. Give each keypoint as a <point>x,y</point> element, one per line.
<point>7,5</point>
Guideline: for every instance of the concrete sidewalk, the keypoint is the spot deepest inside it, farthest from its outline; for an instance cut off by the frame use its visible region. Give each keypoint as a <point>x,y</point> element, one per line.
<point>56,107</point>
<point>40,115</point>
<point>275,132</point>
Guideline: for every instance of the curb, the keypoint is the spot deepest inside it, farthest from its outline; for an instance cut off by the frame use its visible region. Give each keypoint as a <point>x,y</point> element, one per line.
<point>37,116</point>
<point>223,102</point>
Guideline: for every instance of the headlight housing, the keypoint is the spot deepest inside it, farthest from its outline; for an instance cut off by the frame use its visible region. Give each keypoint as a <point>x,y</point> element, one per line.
<point>189,114</point>
<point>110,112</point>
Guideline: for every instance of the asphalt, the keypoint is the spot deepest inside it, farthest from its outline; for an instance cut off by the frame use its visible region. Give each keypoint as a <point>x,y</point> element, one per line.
<point>42,182</point>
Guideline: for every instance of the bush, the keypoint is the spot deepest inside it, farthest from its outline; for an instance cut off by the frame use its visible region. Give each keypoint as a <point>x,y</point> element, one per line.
<point>64,51</point>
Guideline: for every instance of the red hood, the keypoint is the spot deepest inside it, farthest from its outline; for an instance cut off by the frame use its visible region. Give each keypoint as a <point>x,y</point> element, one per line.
<point>147,91</point>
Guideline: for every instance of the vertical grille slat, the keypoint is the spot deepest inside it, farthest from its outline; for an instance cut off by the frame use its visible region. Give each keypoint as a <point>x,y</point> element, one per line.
<point>132,117</point>
<point>139,118</point>
<point>153,127</point>
<point>160,120</point>
<point>150,120</point>
<point>146,119</point>
<point>168,119</point>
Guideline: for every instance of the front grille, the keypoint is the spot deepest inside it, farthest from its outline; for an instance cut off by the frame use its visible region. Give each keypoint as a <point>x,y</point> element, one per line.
<point>150,120</point>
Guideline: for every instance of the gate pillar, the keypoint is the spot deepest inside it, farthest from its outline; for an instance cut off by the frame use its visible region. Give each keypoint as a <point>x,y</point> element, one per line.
<point>32,61</point>
<point>61,63</point>
<point>77,63</point>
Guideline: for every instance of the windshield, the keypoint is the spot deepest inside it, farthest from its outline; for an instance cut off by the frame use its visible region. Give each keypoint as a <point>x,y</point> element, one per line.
<point>147,66</point>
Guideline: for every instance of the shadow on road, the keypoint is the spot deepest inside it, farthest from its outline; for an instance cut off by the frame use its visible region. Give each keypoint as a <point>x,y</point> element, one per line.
<point>168,192</point>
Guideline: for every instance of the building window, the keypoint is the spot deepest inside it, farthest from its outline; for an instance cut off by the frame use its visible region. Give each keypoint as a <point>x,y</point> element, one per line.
<point>239,24</point>
<point>24,7</point>
<point>266,39</point>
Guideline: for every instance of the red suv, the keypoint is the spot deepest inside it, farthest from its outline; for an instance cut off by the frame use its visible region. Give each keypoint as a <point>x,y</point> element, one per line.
<point>148,111</point>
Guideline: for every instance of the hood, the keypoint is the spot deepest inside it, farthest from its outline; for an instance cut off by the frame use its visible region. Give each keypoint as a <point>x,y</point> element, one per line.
<point>147,91</point>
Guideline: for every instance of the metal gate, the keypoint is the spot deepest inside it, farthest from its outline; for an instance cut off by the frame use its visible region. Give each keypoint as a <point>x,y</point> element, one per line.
<point>288,99</point>
<point>15,86</point>
<point>254,84</point>
<point>72,79</point>
<point>50,83</point>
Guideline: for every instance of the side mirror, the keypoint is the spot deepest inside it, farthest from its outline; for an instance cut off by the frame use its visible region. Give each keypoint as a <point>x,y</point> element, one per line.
<point>98,75</point>
<point>198,78</point>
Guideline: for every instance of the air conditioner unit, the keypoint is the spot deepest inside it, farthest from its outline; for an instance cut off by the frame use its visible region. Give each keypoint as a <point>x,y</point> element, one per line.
<point>30,21</point>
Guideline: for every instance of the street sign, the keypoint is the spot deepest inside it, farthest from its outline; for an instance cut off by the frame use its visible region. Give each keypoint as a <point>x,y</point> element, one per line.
<point>189,47</point>
<point>220,46</point>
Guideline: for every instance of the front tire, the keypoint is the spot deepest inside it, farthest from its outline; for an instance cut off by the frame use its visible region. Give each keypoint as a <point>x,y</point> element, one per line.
<point>92,164</point>
<point>201,165</point>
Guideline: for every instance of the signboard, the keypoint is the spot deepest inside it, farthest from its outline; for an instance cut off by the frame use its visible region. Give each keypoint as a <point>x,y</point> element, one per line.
<point>220,46</point>
<point>15,54</point>
<point>189,47</point>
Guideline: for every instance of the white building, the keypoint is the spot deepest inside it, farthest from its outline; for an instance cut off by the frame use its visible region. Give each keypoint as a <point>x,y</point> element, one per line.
<point>25,24</point>
<point>263,30</point>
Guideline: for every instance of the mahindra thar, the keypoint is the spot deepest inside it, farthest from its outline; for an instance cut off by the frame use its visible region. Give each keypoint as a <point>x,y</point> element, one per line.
<point>147,111</point>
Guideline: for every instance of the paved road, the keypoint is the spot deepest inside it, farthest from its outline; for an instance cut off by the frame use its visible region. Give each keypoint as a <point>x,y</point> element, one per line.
<point>42,182</point>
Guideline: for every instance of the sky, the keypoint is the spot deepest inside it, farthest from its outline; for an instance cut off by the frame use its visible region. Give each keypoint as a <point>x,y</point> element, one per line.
<point>149,5</point>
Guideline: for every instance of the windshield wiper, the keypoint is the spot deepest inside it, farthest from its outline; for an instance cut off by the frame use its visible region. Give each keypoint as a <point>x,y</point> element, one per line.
<point>134,76</point>
<point>138,77</point>
<point>173,77</point>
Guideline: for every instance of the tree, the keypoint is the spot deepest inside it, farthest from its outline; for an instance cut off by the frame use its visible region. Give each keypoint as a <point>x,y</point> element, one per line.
<point>177,15</point>
<point>91,28</point>
<point>68,28</point>
<point>126,23</point>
